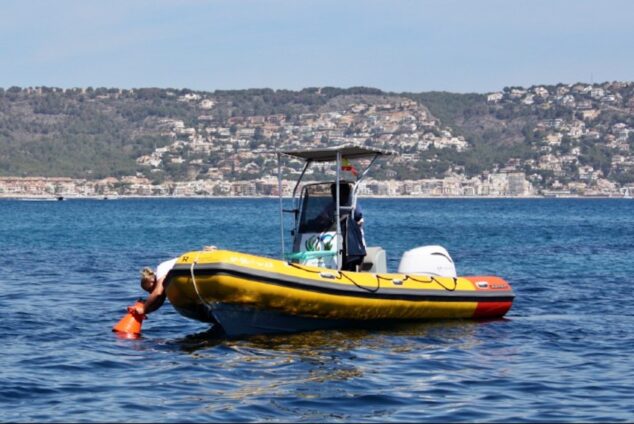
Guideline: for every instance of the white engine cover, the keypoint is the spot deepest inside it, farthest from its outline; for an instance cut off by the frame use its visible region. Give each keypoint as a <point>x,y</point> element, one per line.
<point>427,260</point>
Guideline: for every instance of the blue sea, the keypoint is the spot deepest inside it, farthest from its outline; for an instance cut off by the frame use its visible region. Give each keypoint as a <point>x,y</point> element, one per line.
<point>564,352</point>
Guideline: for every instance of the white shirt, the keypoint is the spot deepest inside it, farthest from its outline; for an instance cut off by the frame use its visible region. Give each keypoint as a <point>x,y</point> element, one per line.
<point>164,267</point>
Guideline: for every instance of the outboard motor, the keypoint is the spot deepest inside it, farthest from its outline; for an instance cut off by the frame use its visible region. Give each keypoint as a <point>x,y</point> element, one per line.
<point>427,260</point>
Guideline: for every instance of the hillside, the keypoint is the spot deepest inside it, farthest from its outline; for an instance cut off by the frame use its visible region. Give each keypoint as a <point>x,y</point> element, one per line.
<point>563,136</point>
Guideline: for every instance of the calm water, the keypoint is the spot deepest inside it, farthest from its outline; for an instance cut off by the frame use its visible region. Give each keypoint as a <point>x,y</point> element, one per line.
<point>564,353</point>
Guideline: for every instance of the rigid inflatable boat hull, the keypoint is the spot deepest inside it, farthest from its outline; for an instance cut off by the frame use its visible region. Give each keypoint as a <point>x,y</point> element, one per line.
<point>247,294</point>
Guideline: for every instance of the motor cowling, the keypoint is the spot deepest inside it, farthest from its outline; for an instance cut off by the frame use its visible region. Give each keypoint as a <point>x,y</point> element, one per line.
<point>427,260</point>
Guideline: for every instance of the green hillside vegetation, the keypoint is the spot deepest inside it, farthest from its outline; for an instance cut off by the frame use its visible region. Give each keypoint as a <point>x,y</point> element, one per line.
<point>79,134</point>
<point>99,132</point>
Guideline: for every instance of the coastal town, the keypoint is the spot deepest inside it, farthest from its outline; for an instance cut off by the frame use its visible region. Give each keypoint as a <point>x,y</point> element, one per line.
<point>496,185</point>
<point>230,156</point>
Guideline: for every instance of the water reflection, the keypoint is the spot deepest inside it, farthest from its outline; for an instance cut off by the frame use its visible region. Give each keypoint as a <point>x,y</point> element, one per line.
<point>322,370</point>
<point>207,339</point>
<point>370,337</point>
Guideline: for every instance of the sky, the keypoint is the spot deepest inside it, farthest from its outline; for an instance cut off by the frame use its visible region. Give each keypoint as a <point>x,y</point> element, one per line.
<point>458,46</point>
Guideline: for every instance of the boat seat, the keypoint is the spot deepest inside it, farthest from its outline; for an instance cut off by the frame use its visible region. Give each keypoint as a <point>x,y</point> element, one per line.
<point>374,260</point>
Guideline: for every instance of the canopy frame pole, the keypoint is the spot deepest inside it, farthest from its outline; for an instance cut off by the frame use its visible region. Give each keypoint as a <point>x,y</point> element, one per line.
<point>360,178</point>
<point>279,189</point>
<point>299,180</point>
<point>337,214</point>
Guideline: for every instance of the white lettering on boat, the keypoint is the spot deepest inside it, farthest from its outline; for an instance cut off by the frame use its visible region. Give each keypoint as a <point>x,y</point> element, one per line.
<point>250,262</point>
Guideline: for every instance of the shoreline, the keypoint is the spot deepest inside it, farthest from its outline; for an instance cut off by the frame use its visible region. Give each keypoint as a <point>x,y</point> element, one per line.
<point>30,197</point>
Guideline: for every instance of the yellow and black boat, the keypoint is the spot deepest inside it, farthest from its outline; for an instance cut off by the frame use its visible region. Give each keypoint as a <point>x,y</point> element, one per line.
<point>317,285</point>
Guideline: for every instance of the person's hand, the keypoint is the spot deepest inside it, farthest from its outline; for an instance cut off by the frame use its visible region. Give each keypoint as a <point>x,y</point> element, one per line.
<point>137,310</point>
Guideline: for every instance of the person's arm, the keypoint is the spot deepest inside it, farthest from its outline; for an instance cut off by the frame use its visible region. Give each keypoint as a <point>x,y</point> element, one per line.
<point>155,300</point>
<point>358,214</point>
<point>358,217</point>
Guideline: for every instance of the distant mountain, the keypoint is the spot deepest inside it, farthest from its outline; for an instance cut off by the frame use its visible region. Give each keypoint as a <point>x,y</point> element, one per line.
<point>565,135</point>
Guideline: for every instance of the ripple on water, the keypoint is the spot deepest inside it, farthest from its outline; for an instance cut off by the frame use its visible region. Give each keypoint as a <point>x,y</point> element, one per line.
<point>562,354</point>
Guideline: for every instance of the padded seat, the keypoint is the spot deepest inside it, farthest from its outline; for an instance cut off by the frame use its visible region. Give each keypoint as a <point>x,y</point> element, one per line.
<point>375,260</point>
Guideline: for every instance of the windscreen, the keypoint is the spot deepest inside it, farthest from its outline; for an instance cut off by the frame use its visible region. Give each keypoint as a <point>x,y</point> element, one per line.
<point>318,209</point>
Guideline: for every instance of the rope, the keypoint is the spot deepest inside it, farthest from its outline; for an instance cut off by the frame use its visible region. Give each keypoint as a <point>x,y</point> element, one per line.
<point>379,277</point>
<point>338,277</point>
<point>191,271</point>
<point>370,290</point>
<point>432,279</point>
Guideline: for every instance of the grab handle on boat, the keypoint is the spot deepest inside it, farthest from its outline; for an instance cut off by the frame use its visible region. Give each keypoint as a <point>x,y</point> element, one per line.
<point>310,254</point>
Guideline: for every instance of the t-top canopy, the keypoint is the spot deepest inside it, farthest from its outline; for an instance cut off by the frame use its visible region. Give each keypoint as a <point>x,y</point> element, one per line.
<point>328,154</point>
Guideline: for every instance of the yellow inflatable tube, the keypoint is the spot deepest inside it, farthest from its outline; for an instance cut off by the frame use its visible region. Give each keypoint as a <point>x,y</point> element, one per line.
<point>220,285</point>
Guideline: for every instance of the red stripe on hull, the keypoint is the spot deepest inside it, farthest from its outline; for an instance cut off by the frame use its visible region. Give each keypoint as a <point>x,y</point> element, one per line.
<point>491,284</point>
<point>491,309</point>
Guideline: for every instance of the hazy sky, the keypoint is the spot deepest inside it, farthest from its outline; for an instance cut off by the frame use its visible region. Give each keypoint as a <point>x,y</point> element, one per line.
<point>396,45</point>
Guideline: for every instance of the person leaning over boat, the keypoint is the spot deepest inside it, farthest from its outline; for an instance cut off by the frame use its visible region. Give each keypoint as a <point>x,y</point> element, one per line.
<point>152,282</point>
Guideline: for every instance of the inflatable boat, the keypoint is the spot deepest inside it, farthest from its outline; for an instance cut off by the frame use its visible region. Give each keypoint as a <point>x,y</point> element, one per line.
<point>330,279</point>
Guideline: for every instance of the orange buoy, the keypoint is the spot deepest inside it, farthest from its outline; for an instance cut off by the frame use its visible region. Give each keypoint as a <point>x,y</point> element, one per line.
<point>131,323</point>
